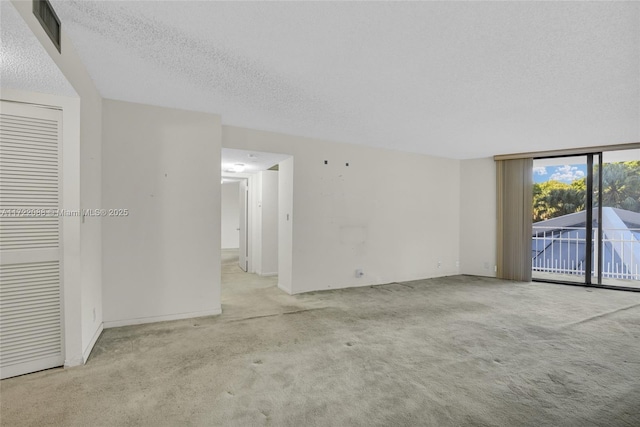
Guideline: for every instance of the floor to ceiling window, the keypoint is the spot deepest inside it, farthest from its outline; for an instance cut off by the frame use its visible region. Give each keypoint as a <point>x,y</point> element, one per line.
<point>586,219</point>
<point>620,230</point>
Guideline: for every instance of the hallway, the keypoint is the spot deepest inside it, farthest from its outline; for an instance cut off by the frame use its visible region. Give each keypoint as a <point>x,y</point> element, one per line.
<point>247,295</point>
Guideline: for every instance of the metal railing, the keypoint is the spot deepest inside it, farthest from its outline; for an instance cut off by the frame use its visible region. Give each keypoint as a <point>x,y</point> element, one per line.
<point>562,251</point>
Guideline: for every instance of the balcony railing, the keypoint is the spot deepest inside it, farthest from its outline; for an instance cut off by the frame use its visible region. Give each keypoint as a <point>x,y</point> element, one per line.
<point>562,251</point>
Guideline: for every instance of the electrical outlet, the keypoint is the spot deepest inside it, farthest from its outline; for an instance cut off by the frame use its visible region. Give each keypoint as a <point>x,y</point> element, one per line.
<point>457,264</point>
<point>439,264</point>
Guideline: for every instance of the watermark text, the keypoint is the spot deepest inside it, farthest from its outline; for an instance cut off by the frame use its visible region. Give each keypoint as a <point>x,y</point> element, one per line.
<point>57,213</point>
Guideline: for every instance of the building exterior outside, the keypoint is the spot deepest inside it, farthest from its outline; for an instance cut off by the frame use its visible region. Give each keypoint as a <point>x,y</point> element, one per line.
<point>558,245</point>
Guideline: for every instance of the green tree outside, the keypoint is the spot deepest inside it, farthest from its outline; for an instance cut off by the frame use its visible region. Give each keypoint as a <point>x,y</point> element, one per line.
<point>620,184</point>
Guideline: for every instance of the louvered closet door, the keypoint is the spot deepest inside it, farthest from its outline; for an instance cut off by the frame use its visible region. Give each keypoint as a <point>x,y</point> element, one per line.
<point>31,336</point>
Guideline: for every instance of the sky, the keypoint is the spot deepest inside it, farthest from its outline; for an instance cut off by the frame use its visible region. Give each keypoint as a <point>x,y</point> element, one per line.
<point>562,173</point>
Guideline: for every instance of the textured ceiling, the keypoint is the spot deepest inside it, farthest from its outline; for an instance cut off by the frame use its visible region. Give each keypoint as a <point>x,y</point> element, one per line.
<point>453,79</point>
<point>24,64</point>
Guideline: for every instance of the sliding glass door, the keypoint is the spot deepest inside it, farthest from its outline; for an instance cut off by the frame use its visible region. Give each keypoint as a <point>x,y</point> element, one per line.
<point>620,229</point>
<point>559,233</point>
<point>586,219</point>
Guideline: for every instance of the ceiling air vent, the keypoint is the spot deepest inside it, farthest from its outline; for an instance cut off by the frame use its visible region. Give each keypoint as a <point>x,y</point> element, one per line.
<point>48,19</point>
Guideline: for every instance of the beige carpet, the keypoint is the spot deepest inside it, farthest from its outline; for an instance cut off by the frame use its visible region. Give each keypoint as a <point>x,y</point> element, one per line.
<point>454,351</point>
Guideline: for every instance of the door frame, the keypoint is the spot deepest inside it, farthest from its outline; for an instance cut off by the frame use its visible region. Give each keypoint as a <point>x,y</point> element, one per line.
<point>243,243</point>
<point>75,352</point>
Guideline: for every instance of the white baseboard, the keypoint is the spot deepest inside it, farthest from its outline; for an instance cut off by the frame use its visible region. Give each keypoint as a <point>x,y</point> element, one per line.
<point>268,274</point>
<point>282,288</point>
<point>153,319</point>
<point>70,363</point>
<point>94,339</point>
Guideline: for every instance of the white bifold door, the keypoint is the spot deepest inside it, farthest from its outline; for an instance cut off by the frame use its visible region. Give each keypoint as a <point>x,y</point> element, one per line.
<point>31,334</point>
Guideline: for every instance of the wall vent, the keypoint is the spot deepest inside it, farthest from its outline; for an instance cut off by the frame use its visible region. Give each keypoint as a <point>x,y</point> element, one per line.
<point>43,10</point>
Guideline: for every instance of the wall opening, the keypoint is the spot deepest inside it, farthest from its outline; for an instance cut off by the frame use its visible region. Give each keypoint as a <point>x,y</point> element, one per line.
<point>256,202</point>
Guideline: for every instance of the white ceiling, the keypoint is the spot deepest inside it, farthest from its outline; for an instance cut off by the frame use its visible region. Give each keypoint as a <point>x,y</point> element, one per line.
<point>452,79</point>
<point>253,161</point>
<point>24,64</point>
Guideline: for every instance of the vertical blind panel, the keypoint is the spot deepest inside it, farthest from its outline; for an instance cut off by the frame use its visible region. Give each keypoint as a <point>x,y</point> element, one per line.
<point>30,325</point>
<point>29,182</point>
<point>515,200</point>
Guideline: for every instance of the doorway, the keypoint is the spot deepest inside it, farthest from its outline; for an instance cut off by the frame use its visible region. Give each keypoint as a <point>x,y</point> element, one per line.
<point>256,223</point>
<point>586,219</point>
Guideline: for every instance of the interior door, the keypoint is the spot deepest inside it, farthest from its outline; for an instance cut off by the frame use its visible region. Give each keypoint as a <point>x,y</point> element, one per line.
<point>243,253</point>
<point>31,335</point>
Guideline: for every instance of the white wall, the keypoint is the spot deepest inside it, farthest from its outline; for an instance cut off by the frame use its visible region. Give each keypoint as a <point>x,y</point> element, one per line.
<point>268,212</point>
<point>395,215</point>
<point>285,224</point>
<point>161,261</point>
<point>230,215</point>
<point>87,294</point>
<point>478,217</point>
